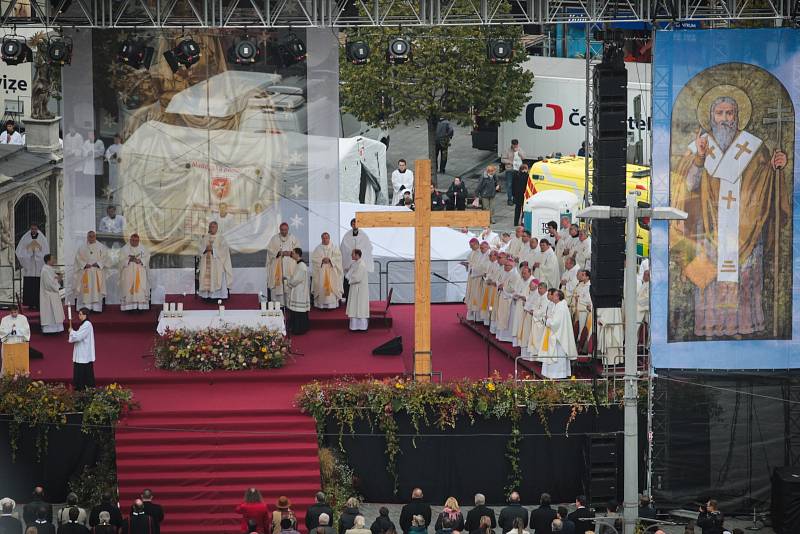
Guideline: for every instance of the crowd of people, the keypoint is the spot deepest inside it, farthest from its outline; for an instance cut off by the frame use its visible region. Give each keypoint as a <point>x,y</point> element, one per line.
<point>535,293</point>
<point>106,517</point>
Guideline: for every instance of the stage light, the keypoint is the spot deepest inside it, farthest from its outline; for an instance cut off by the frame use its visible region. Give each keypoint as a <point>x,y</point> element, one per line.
<point>244,51</point>
<point>357,52</point>
<point>187,53</point>
<point>59,51</point>
<point>499,50</point>
<point>15,50</point>
<point>399,51</point>
<point>135,54</point>
<point>290,49</point>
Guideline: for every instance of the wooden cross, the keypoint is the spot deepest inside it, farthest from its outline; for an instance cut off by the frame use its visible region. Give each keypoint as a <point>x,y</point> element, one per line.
<point>730,198</point>
<point>422,220</point>
<point>742,149</point>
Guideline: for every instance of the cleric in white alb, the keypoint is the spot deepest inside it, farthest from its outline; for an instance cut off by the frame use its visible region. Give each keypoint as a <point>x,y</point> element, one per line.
<point>14,329</point>
<point>134,276</point>
<point>31,250</point>
<point>91,262</point>
<point>216,270</point>
<point>355,239</point>
<point>51,310</point>
<point>358,301</point>
<point>82,352</point>
<point>558,345</point>
<point>280,264</point>
<point>9,136</point>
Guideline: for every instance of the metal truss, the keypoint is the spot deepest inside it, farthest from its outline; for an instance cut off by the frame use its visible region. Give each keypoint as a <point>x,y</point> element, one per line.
<point>351,13</point>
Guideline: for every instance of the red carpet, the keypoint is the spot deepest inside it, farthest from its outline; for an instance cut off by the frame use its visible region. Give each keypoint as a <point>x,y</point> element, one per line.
<point>201,439</point>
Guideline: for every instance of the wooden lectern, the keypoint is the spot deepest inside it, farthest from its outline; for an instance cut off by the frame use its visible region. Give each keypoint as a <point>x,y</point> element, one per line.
<point>16,359</point>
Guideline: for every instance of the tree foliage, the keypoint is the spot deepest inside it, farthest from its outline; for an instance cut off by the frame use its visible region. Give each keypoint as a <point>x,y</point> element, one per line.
<point>449,76</point>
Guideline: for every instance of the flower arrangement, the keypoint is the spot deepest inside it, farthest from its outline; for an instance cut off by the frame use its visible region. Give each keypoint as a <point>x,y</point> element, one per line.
<point>379,401</point>
<point>39,404</point>
<point>215,348</point>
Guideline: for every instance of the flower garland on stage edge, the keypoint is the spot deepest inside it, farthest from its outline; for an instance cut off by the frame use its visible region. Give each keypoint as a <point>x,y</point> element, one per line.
<point>216,348</point>
<point>378,401</point>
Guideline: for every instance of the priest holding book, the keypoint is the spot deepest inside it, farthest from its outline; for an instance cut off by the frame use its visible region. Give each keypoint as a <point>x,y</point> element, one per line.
<point>14,335</point>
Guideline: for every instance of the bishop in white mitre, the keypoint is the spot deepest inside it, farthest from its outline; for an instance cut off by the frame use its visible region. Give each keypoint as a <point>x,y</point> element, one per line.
<point>327,275</point>
<point>358,300</point>
<point>558,344</point>
<point>216,270</point>
<point>14,329</point>
<point>91,262</point>
<point>51,310</point>
<point>31,250</point>
<point>280,264</point>
<point>134,276</point>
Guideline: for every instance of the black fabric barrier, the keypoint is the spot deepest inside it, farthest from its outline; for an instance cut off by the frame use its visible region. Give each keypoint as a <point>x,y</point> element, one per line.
<point>472,457</point>
<point>720,435</point>
<point>68,451</point>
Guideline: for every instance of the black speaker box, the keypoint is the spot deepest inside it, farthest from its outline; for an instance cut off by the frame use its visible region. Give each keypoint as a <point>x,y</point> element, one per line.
<point>610,83</point>
<point>786,500</point>
<point>393,347</point>
<point>611,124</point>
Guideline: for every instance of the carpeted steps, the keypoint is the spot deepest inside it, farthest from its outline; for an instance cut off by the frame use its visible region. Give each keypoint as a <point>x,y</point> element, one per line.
<point>199,462</point>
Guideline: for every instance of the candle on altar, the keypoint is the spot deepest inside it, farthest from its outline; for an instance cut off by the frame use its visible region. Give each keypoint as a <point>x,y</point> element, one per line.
<point>69,312</point>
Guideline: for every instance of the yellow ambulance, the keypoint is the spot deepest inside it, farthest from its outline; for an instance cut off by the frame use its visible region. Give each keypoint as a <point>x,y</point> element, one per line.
<point>567,174</point>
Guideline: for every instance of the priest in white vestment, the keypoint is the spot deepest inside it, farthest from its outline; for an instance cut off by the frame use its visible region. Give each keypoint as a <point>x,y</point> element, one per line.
<point>521,292</point>
<point>14,329</point>
<point>540,310</point>
<point>583,250</point>
<point>493,238</point>
<point>112,223</point>
<point>531,301</point>
<point>113,158</point>
<point>327,276</point>
<point>569,279</point>
<point>563,242</point>
<point>31,250</point>
<point>546,269</point>
<point>51,310</point>
<point>558,344</point>
<point>582,308</point>
<point>91,262</point>
<point>515,245</point>
<point>299,301</point>
<point>489,286</point>
<point>531,254</point>
<point>505,305</point>
<point>83,354</point>
<point>643,304</point>
<point>280,264</point>
<point>352,240</point>
<point>216,270</point>
<point>358,300</point>
<point>134,276</point>
<point>475,272</point>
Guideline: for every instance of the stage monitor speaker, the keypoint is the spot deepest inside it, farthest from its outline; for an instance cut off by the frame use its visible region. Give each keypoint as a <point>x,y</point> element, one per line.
<point>786,500</point>
<point>393,347</point>
<point>34,354</point>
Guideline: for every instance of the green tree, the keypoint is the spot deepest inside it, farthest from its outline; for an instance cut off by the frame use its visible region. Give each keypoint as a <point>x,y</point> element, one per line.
<point>449,76</point>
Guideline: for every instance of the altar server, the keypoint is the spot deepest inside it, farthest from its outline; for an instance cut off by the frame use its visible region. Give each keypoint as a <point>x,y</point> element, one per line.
<point>358,300</point>
<point>327,274</point>
<point>134,276</point>
<point>216,271</point>
<point>82,352</point>
<point>51,310</point>
<point>14,329</point>
<point>280,264</point>
<point>91,262</point>
<point>299,298</point>
<point>31,250</point>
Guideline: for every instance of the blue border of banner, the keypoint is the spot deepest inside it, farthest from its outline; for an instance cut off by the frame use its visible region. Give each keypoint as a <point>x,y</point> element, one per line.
<point>678,56</point>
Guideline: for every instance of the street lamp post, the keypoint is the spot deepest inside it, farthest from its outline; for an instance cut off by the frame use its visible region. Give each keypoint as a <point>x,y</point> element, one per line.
<point>631,465</point>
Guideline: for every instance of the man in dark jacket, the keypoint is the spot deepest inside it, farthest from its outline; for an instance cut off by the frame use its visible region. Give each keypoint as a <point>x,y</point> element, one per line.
<point>645,509</point>
<point>518,184</point>
<point>578,516</point>
<point>487,189</point>
<point>417,506</point>
<point>106,506</point>
<point>382,523</point>
<point>474,516</point>
<point>313,512</point>
<point>42,524</point>
<point>710,519</point>
<point>511,512</point>
<point>155,511</point>
<point>542,517</point>
<point>8,523</point>
<point>30,510</point>
<point>72,526</point>
<point>567,526</point>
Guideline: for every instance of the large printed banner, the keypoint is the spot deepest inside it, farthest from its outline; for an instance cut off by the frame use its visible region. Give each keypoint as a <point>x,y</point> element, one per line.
<point>725,293</point>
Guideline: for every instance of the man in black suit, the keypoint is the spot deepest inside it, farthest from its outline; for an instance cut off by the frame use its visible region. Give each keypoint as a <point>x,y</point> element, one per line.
<point>542,517</point>
<point>474,516</point>
<point>155,511</point>
<point>417,506</point>
<point>72,526</point>
<point>511,512</point>
<point>8,523</point>
<point>567,526</point>
<point>581,514</point>
<point>106,505</point>
<point>314,511</point>
<point>42,524</point>
<point>30,510</point>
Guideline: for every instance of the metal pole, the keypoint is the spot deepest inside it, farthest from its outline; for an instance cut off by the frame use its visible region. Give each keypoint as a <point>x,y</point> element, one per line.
<point>589,116</point>
<point>631,482</point>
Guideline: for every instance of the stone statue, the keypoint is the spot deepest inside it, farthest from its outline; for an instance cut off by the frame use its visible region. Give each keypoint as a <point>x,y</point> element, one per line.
<point>43,85</point>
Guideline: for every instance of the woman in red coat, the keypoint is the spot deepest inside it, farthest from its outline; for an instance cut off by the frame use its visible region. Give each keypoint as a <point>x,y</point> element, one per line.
<point>253,508</point>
